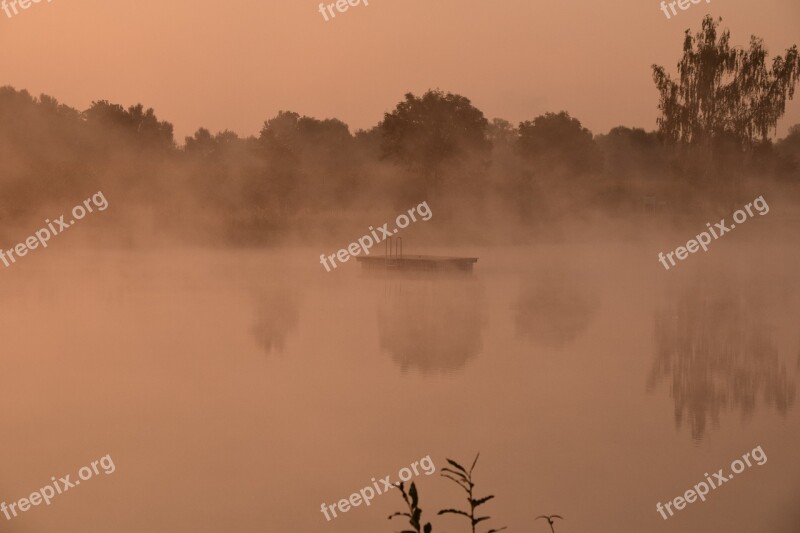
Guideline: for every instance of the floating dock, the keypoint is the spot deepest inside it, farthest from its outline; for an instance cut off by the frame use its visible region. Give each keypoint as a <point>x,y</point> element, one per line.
<point>394,260</point>
<point>417,263</point>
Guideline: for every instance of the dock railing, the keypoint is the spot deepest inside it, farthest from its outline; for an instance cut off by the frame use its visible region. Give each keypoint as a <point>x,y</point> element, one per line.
<point>394,247</point>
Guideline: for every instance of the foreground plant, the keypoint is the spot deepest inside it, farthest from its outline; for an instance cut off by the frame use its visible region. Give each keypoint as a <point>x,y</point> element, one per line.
<point>463,478</point>
<point>550,520</point>
<point>414,513</point>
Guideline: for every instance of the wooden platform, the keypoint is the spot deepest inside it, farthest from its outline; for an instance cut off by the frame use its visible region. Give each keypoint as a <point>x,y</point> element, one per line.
<point>425,263</point>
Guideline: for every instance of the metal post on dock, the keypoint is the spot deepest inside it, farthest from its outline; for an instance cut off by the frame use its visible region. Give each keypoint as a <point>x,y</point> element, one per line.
<point>394,247</point>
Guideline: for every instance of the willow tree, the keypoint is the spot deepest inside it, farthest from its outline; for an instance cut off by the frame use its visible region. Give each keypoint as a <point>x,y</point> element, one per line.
<point>724,91</point>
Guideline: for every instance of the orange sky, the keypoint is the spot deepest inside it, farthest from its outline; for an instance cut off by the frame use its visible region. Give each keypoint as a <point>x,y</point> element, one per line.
<point>234,64</point>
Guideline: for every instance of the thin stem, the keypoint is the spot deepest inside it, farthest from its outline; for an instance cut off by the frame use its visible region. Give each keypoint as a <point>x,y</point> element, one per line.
<point>471,505</point>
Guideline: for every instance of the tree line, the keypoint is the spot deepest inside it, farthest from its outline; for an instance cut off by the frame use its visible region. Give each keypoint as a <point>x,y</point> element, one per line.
<point>301,174</point>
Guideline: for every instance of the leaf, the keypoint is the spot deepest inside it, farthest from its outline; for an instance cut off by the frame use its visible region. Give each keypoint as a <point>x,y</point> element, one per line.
<point>427,528</point>
<point>453,511</point>
<point>413,493</point>
<point>496,530</point>
<point>459,474</point>
<point>460,483</point>
<point>455,464</point>
<point>481,519</point>
<point>399,514</point>
<point>481,501</point>
<point>473,462</point>
<point>417,515</point>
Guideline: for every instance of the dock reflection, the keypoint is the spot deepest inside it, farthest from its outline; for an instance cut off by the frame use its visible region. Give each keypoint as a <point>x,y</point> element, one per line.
<point>431,323</point>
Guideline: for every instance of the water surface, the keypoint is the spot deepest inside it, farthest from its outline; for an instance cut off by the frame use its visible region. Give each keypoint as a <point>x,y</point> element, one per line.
<point>237,391</point>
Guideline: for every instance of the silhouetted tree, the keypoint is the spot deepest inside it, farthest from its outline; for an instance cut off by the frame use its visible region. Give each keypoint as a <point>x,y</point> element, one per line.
<point>558,141</point>
<point>502,133</point>
<point>724,90</point>
<point>201,143</point>
<point>369,142</point>
<point>788,154</point>
<point>317,157</point>
<point>281,133</point>
<point>435,136</point>
<point>135,125</point>
<point>311,176</point>
<point>43,153</point>
<point>631,152</point>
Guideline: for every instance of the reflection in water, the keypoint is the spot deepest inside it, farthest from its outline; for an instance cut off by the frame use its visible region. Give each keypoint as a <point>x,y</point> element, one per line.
<point>277,312</point>
<point>554,308</point>
<point>433,324</point>
<point>715,344</point>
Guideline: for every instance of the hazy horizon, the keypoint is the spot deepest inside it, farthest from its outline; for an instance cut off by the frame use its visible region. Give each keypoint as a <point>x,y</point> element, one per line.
<point>198,67</point>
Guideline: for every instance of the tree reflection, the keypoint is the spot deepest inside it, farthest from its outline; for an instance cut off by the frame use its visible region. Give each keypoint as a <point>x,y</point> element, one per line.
<point>277,312</point>
<point>433,324</point>
<point>715,345</point>
<point>554,308</point>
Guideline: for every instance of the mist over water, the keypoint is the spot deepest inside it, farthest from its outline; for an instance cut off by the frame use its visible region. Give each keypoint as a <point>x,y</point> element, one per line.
<point>237,383</point>
<point>220,371</point>
<point>217,329</point>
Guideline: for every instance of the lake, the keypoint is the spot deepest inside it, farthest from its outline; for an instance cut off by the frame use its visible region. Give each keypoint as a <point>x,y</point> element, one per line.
<point>239,390</point>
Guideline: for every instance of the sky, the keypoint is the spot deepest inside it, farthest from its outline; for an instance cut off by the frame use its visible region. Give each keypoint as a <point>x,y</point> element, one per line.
<point>232,65</point>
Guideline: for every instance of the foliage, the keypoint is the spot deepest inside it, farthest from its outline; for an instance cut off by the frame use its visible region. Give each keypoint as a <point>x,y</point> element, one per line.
<point>463,478</point>
<point>307,178</point>
<point>788,154</point>
<point>556,140</point>
<point>414,513</point>
<point>426,132</point>
<point>722,89</point>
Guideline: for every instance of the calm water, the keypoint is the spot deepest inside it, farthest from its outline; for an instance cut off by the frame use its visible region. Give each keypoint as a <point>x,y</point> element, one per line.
<point>238,391</point>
